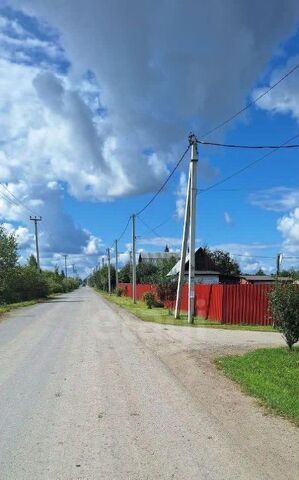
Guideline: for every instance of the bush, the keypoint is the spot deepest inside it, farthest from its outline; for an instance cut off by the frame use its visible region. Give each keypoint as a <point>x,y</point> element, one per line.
<point>119,291</point>
<point>284,308</point>
<point>150,299</point>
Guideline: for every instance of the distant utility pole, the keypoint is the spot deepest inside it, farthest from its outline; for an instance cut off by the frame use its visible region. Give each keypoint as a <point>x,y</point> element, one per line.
<point>109,272</point>
<point>35,220</point>
<point>103,262</point>
<point>116,264</point>
<point>189,231</point>
<point>74,269</point>
<point>65,264</point>
<point>134,258</point>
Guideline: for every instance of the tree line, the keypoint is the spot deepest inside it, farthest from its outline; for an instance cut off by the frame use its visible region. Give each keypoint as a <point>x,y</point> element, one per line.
<point>19,283</point>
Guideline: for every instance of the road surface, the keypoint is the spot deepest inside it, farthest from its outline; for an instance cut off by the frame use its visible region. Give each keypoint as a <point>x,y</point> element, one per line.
<point>88,392</point>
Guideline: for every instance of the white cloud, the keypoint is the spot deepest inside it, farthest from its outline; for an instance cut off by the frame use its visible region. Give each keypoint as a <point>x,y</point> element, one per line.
<point>288,225</point>
<point>278,199</point>
<point>94,246</point>
<point>160,241</point>
<point>149,86</point>
<point>284,98</point>
<point>181,196</point>
<point>227,218</point>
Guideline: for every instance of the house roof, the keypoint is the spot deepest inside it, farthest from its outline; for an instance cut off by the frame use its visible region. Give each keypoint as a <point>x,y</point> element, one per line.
<point>157,255</point>
<point>203,264</point>
<point>264,278</point>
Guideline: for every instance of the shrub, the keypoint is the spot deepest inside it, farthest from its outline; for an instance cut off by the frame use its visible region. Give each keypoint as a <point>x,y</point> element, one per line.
<point>119,291</point>
<point>149,299</point>
<point>284,308</point>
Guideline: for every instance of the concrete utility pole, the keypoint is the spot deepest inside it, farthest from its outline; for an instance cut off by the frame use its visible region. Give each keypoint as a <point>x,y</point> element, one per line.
<point>134,258</point>
<point>65,264</point>
<point>35,220</point>
<point>103,262</point>
<point>183,251</point>
<point>189,231</point>
<point>278,263</point>
<point>130,253</point>
<point>109,272</point>
<point>116,264</point>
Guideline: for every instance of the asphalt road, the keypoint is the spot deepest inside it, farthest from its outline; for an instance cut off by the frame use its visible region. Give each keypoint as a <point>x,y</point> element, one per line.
<point>89,393</point>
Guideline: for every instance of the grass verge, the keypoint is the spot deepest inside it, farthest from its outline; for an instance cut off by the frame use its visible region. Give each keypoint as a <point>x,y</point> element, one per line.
<point>161,315</point>
<point>13,306</point>
<point>269,374</point>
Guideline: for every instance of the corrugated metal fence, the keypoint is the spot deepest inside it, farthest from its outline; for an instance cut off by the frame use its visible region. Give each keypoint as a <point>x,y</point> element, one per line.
<point>236,304</point>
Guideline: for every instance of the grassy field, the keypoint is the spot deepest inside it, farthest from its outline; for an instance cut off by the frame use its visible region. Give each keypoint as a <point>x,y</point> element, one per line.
<point>271,375</point>
<point>161,315</point>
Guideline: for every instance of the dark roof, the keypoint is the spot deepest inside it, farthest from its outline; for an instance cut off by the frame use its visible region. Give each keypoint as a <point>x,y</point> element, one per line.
<point>203,264</point>
<point>157,255</point>
<point>265,278</point>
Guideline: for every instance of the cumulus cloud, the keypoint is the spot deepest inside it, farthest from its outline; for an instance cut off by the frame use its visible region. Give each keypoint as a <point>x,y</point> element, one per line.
<point>106,114</point>
<point>227,218</point>
<point>278,199</point>
<point>283,99</point>
<point>288,225</point>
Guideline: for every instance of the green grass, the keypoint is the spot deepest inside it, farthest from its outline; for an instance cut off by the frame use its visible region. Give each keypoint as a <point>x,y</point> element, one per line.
<point>271,375</point>
<point>161,315</point>
<point>13,306</point>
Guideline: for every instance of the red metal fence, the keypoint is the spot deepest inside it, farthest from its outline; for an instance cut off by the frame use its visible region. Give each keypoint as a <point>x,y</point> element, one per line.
<point>237,304</point>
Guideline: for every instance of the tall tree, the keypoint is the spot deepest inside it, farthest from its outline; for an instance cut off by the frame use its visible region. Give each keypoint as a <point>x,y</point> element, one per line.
<point>32,261</point>
<point>224,263</point>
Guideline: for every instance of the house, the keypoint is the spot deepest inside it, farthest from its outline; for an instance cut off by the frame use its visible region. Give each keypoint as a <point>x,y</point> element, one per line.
<point>205,269</point>
<point>263,279</point>
<point>149,257</point>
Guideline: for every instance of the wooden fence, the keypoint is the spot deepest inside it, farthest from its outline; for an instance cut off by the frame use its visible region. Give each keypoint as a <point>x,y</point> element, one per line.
<point>235,304</point>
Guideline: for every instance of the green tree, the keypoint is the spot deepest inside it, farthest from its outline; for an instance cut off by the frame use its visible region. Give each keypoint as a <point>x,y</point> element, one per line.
<point>124,275</point>
<point>260,272</point>
<point>8,250</point>
<point>284,308</point>
<point>224,263</point>
<point>32,261</point>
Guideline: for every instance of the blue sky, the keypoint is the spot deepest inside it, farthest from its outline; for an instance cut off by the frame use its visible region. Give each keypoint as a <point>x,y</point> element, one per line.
<point>92,123</point>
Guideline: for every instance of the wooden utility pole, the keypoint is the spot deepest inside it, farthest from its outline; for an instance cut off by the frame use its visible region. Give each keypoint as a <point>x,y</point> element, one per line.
<point>65,264</point>
<point>36,219</point>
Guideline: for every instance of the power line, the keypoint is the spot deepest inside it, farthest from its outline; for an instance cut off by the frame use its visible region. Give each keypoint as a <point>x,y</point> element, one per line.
<point>251,147</point>
<point>249,165</point>
<point>124,230</point>
<point>248,105</point>
<point>17,199</point>
<point>164,184</point>
<point>150,228</point>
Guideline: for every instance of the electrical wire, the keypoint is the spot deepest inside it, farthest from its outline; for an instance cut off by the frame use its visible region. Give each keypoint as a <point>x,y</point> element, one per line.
<point>149,228</point>
<point>253,102</point>
<point>20,203</point>
<point>164,183</point>
<point>246,167</point>
<point>251,147</point>
<point>125,229</point>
